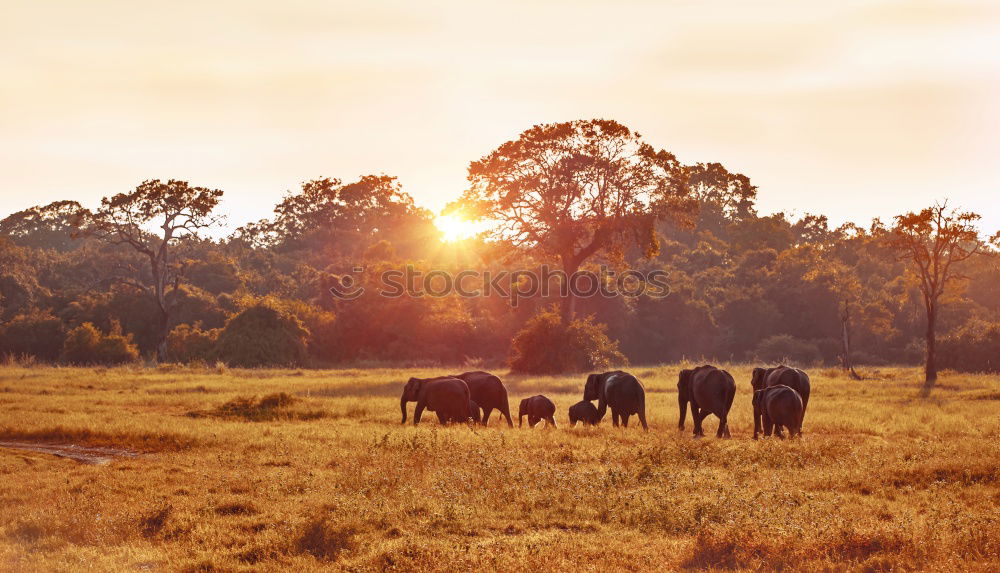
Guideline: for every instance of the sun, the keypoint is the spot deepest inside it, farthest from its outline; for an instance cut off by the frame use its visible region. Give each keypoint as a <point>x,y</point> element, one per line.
<point>454,228</point>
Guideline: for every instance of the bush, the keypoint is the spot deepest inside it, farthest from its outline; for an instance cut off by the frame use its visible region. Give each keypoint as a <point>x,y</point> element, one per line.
<point>269,408</point>
<point>786,348</point>
<point>37,334</point>
<point>546,346</point>
<point>187,343</point>
<point>263,336</point>
<point>86,344</point>
<point>973,347</point>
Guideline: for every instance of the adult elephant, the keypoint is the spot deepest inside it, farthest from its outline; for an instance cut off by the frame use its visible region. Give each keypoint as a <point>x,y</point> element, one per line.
<point>446,396</point>
<point>489,392</point>
<point>709,391</point>
<point>794,378</point>
<point>620,391</point>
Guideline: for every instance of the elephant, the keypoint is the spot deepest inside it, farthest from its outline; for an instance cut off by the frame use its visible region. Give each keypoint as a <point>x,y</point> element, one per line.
<point>792,377</point>
<point>619,390</point>
<point>710,391</point>
<point>444,395</point>
<point>537,408</point>
<point>489,392</point>
<point>779,406</point>
<point>583,411</point>
<point>474,412</point>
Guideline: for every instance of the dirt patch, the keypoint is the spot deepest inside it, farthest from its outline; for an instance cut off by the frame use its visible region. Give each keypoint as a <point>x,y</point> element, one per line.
<point>83,454</point>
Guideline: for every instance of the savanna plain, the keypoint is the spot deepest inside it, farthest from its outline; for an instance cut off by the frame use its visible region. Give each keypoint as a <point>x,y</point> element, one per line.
<point>311,470</point>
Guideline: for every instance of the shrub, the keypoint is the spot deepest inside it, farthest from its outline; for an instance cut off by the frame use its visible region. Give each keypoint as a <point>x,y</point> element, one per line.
<point>272,407</point>
<point>547,346</point>
<point>187,343</point>
<point>37,334</point>
<point>263,336</point>
<point>324,539</point>
<point>973,347</point>
<point>783,347</point>
<point>86,344</point>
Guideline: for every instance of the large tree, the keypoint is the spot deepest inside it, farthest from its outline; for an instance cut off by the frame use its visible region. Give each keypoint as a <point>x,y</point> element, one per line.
<point>46,226</point>
<point>571,190</point>
<point>346,218</point>
<point>153,219</point>
<point>934,241</point>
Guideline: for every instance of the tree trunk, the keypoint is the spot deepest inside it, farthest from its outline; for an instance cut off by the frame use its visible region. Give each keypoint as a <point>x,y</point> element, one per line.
<point>569,301</point>
<point>848,364</point>
<point>161,343</point>
<point>160,291</point>
<point>930,368</point>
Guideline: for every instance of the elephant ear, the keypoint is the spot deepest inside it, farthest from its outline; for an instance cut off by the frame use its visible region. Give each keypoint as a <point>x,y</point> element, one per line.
<point>684,378</point>
<point>757,379</point>
<point>412,388</point>
<point>590,388</point>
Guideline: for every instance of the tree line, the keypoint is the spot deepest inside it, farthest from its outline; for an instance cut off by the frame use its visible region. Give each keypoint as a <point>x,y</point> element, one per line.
<point>137,276</point>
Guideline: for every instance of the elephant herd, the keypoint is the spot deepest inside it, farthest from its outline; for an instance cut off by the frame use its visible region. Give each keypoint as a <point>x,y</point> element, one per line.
<point>780,397</point>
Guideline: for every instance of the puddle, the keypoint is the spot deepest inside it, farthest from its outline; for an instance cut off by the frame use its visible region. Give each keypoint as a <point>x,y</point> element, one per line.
<point>83,454</point>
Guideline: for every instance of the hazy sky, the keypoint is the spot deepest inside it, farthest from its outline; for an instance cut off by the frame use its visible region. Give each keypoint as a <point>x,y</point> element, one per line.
<point>851,109</point>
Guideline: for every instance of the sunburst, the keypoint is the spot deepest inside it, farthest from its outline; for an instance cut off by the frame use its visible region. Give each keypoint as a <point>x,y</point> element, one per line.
<point>454,228</point>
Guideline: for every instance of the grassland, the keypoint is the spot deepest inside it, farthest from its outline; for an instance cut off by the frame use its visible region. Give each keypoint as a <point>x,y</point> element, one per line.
<point>326,478</point>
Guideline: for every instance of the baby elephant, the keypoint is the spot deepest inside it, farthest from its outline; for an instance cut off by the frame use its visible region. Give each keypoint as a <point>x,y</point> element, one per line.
<point>583,411</point>
<point>537,408</point>
<point>779,406</point>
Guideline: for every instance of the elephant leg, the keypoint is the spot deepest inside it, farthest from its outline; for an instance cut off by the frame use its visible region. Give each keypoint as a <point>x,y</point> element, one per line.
<point>625,418</point>
<point>533,421</point>
<point>442,418</point>
<point>418,412</point>
<point>642,419</point>
<point>486,415</point>
<point>721,432</point>
<point>699,416</point>
<point>778,432</point>
<point>756,421</point>
<point>614,418</point>
<point>725,422</point>
<point>550,422</point>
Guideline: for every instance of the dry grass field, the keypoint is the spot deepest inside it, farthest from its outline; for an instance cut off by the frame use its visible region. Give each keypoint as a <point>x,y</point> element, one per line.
<point>326,478</point>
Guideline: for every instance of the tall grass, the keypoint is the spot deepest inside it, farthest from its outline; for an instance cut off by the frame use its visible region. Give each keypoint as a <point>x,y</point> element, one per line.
<point>319,474</point>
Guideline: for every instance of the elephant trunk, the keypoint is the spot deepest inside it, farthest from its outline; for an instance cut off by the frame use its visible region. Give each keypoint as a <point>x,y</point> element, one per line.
<point>683,403</point>
<point>602,409</point>
<point>402,407</point>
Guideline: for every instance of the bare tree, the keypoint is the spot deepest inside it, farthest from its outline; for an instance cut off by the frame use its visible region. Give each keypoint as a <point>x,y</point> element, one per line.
<point>152,219</point>
<point>934,240</point>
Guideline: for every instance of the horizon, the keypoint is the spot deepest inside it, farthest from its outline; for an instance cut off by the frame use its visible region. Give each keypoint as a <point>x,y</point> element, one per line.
<point>891,103</point>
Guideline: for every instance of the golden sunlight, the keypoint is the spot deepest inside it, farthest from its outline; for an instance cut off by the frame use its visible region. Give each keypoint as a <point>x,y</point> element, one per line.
<point>454,228</point>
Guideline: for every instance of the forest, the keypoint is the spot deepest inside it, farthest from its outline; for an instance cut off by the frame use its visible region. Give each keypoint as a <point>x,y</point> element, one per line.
<point>144,276</point>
